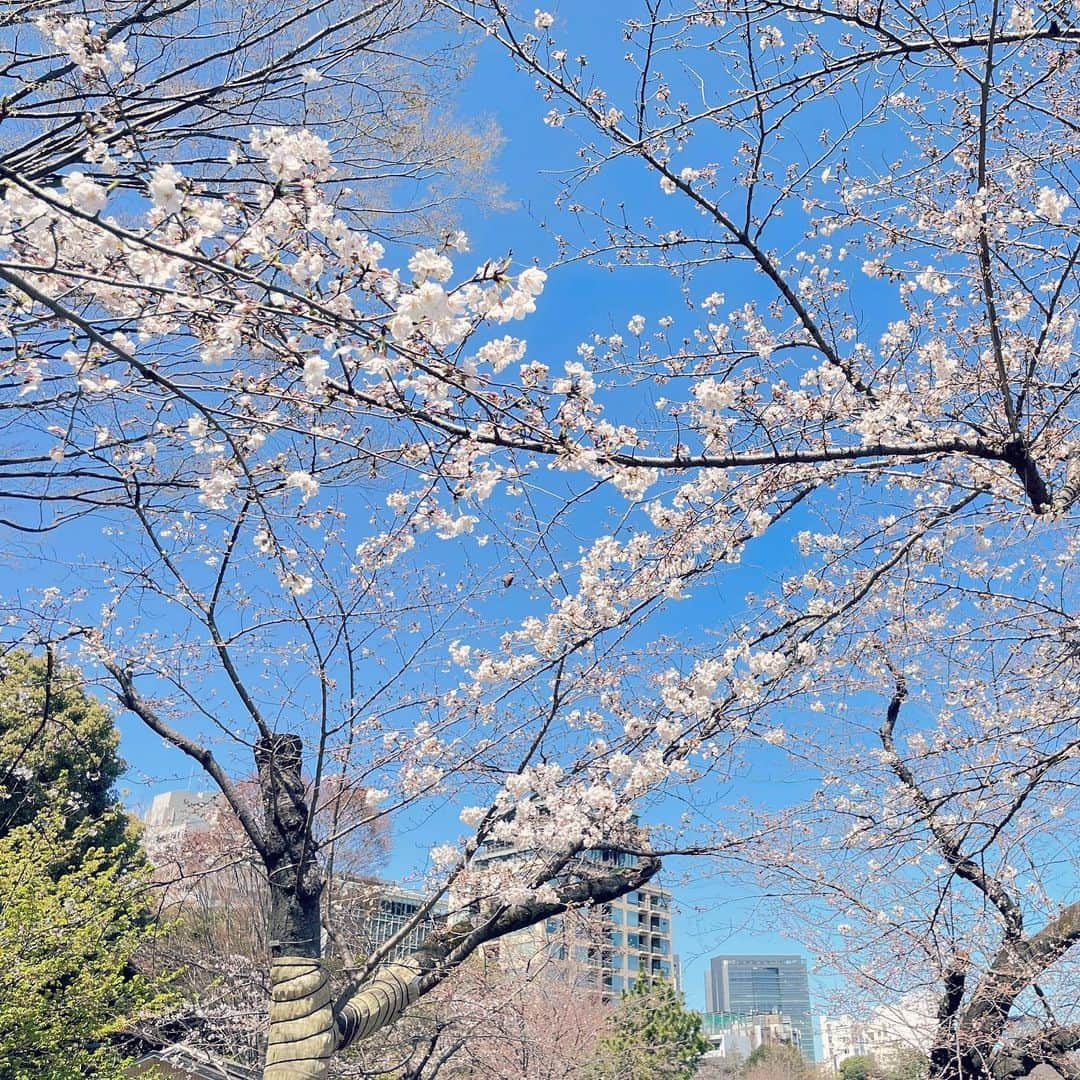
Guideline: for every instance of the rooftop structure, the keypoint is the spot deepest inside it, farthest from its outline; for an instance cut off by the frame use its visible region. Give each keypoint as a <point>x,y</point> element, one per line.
<point>734,1037</point>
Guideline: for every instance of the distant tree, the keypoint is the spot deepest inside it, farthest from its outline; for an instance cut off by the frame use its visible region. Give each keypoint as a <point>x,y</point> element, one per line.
<point>58,749</point>
<point>493,1019</point>
<point>650,1035</point>
<point>66,935</point>
<point>908,1064</point>
<point>716,1067</point>
<point>775,1061</point>
<point>860,1067</point>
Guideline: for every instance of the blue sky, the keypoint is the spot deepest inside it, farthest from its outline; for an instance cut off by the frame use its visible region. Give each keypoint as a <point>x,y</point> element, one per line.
<point>580,299</point>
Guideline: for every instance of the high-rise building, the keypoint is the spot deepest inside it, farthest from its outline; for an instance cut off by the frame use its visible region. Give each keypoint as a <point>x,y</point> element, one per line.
<point>763,985</point>
<point>373,911</point>
<point>619,942</point>
<point>608,947</point>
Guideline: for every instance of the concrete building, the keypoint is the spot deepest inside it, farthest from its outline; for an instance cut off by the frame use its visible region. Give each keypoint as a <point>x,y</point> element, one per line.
<point>608,947</point>
<point>175,816</point>
<point>887,1032</point>
<point>635,939</point>
<point>734,1038</point>
<point>763,985</point>
<point>374,911</point>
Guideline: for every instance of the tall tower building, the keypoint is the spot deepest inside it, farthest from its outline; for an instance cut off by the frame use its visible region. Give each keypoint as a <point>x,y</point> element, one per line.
<point>750,986</point>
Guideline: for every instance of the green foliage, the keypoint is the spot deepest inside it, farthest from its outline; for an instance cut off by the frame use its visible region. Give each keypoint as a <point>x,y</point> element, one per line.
<point>66,935</point>
<point>58,750</point>
<point>776,1061</point>
<point>72,879</point>
<point>860,1067</point>
<point>908,1064</point>
<point>651,1036</point>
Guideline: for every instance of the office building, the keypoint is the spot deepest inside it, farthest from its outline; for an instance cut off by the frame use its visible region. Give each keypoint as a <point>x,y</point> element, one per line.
<point>750,986</point>
<point>372,912</point>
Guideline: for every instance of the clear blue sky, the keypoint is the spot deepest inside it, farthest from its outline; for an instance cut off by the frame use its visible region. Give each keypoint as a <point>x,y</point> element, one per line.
<point>714,916</point>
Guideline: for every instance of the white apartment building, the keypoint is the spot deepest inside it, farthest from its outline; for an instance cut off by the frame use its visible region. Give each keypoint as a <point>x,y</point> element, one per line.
<point>889,1030</point>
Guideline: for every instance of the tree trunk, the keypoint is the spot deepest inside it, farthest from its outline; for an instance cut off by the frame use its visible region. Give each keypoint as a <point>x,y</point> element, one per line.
<point>302,1033</point>
<point>307,1026</point>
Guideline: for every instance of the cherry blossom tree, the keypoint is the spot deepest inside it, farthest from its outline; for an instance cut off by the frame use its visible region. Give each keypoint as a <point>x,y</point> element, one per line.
<point>325,463</point>
<point>935,856</point>
<point>150,275</point>
<point>872,207</point>
<point>495,1021</point>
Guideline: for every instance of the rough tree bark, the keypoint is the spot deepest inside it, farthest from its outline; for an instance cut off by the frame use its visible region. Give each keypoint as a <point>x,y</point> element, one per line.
<point>308,1024</point>
<point>971,1042</point>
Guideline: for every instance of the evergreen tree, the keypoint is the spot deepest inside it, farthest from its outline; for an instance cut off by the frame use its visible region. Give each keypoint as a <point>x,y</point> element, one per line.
<point>651,1036</point>
<point>66,935</point>
<point>72,878</point>
<point>860,1067</point>
<point>58,749</point>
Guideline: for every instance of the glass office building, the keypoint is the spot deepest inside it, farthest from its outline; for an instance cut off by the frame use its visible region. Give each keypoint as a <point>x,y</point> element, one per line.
<point>751,986</point>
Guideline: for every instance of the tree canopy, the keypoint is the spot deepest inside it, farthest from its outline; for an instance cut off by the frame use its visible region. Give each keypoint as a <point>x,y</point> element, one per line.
<point>58,750</point>
<point>814,508</point>
<point>651,1033</point>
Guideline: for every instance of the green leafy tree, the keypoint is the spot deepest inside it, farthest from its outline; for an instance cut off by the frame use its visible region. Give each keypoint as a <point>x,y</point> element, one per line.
<point>860,1067</point>
<point>66,935</point>
<point>651,1035</point>
<point>908,1064</point>
<point>58,749</point>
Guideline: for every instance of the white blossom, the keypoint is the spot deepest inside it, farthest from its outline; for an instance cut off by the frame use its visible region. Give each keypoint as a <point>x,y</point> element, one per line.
<point>1051,204</point>
<point>292,153</point>
<point>315,369</point>
<point>430,264</point>
<point>84,194</point>
<point>304,482</point>
<point>770,37</point>
<point>166,188</point>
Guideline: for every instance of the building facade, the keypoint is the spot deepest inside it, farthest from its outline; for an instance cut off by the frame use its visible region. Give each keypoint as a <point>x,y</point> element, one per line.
<point>374,912</point>
<point>174,817</point>
<point>623,941</point>
<point>734,1038</point>
<point>608,947</point>
<point>890,1030</point>
<point>763,985</point>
